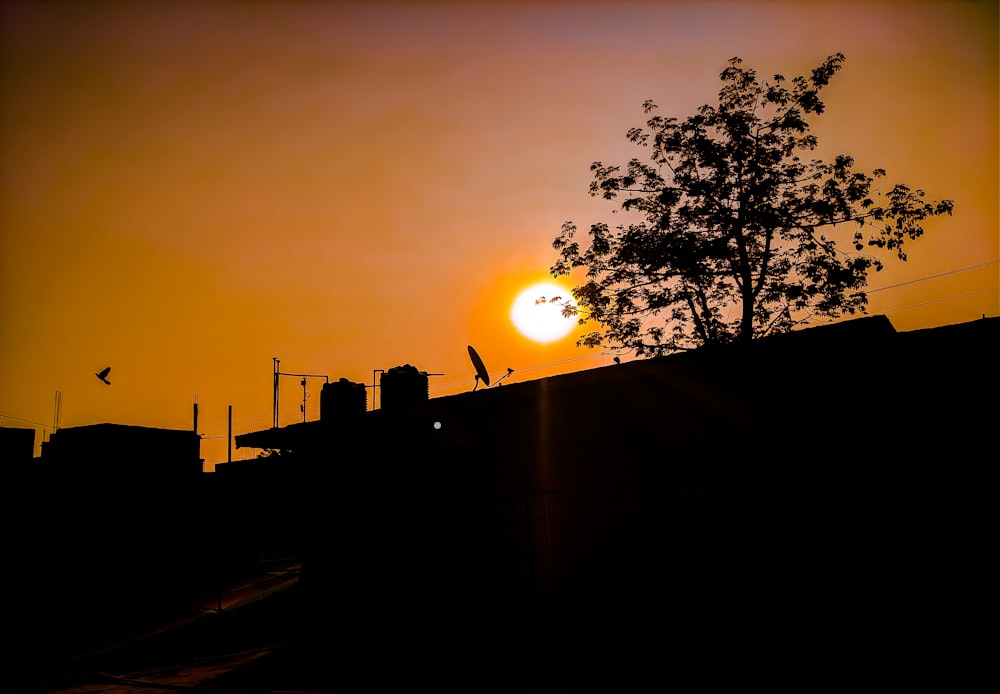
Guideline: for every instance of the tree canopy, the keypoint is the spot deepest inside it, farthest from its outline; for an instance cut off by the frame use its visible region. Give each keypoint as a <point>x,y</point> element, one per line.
<point>737,233</point>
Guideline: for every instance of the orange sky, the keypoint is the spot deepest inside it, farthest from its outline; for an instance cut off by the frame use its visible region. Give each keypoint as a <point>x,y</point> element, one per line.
<point>191,189</point>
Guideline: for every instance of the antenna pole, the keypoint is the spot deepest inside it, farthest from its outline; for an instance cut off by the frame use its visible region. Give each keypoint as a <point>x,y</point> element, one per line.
<point>274,425</point>
<point>375,386</point>
<point>58,411</point>
<point>303,399</point>
<point>498,381</point>
<point>229,458</point>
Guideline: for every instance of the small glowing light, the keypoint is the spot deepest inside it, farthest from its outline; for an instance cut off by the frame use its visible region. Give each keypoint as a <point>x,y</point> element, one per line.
<point>437,425</point>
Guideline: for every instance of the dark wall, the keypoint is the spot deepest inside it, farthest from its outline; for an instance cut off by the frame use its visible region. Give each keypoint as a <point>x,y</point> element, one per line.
<point>17,445</point>
<point>121,450</point>
<point>806,482</point>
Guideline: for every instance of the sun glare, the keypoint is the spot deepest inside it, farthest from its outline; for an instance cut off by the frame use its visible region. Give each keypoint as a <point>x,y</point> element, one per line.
<point>537,313</point>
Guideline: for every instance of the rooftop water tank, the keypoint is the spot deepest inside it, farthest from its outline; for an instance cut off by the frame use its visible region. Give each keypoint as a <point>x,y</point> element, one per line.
<point>342,399</point>
<point>404,387</point>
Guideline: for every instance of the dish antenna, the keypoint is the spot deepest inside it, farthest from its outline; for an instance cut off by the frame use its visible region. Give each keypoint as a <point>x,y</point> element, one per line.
<point>481,373</point>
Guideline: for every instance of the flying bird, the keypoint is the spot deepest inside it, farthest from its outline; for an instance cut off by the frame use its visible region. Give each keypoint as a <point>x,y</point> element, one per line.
<point>103,374</point>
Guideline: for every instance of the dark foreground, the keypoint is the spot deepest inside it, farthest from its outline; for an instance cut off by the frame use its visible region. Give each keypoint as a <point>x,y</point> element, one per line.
<point>258,635</point>
<point>263,646</point>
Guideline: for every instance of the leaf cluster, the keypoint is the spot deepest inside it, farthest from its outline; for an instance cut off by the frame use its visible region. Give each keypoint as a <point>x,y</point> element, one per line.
<point>734,218</point>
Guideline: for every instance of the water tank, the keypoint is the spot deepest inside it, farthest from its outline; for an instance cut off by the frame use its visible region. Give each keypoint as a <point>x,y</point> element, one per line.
<point>403,387</point>
<point>342,399</point>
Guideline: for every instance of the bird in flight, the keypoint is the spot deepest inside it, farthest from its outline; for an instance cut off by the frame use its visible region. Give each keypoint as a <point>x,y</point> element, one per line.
<point>103,374</point>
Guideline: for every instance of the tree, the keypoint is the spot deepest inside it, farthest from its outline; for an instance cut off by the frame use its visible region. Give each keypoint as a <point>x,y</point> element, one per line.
<point>731,241</point>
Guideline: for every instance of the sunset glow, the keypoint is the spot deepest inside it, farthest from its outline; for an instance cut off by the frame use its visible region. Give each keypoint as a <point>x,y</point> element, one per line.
<point>193,189</point>
<point>537,313</point>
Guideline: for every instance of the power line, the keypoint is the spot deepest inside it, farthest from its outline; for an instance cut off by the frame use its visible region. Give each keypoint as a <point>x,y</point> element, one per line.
<point>21,419</point>
<point>938,301</point>
<point>931,277</point>
<point>211,425</point>
<point>527,369</point>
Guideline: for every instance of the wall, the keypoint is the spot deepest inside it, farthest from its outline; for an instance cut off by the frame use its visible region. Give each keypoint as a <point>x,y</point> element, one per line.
<point>795,483</point>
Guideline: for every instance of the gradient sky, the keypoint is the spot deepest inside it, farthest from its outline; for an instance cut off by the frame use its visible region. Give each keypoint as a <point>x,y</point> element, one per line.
<point>191,189</point>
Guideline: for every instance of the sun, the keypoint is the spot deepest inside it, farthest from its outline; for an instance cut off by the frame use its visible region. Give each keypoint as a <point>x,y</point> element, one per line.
<point>537,313</point>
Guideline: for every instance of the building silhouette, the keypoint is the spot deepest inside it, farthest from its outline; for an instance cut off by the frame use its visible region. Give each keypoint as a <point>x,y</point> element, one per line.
<point>17,445</point>
<point>124,451</point>
<point>804,486</point>
<point>810,482</point>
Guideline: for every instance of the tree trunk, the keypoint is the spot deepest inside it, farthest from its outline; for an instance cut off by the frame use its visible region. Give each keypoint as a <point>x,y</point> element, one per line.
<point>746,322</point>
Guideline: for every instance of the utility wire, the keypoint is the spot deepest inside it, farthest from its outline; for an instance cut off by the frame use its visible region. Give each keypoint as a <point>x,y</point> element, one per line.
<point>938,301</point>
<point>212,424</point>
<point>931,277</point>
<point>464,382</point>
<point>454,384</point>
<point>20,419</point>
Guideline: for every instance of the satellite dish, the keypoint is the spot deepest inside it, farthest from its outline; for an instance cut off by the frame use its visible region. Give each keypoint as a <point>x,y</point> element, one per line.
<point>481,373</point>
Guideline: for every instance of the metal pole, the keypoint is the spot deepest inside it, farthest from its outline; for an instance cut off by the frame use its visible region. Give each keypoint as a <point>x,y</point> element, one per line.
<point>303,399</point>
<point>375,387</point>
<point>277,375</point>
<point>230,456</point>
<point>274,424</point>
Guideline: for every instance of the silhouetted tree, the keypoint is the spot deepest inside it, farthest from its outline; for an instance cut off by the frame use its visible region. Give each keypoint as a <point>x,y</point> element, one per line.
<point>731,242</point>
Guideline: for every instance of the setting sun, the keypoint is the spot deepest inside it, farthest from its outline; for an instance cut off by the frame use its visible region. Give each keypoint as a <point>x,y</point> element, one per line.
<point>537,312</point>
